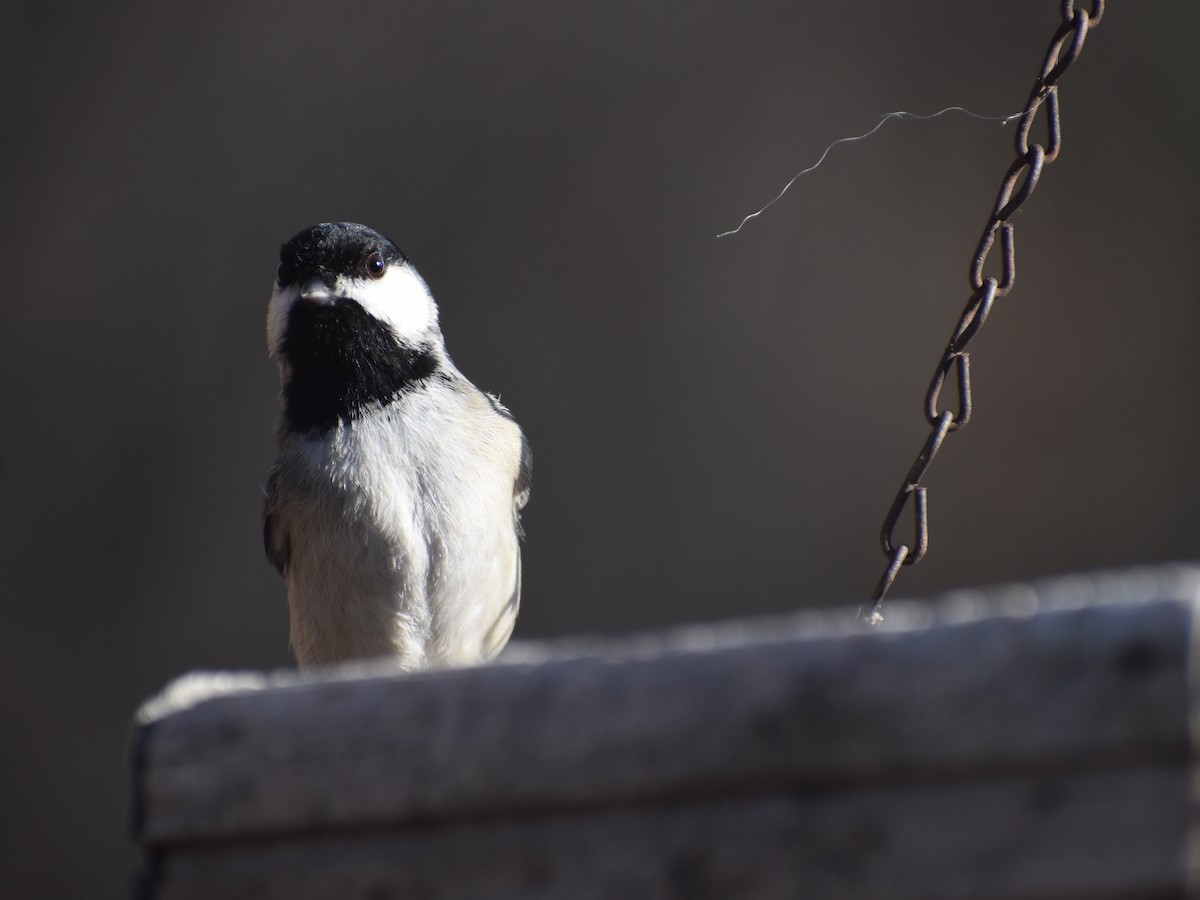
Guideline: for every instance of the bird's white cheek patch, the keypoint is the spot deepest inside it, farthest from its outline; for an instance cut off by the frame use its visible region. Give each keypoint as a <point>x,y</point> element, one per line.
<point>400,298</point>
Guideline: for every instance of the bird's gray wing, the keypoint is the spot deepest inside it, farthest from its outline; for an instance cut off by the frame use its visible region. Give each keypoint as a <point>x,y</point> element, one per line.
<point>275,537</point>
<point>524,475</point>
<point>525,465</point>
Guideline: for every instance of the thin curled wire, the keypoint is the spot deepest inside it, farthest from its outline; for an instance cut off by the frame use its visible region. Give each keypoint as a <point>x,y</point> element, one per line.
<point>1018,184</point>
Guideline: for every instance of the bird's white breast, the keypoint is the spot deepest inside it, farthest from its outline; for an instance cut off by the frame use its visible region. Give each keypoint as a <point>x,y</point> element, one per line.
<point>402,531</point>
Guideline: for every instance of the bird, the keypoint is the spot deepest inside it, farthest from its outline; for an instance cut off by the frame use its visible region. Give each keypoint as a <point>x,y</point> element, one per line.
<point>393,509</point>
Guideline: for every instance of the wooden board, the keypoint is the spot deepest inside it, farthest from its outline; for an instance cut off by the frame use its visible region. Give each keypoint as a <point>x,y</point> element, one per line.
<point>1025,742</point>
<point>1101,835</point>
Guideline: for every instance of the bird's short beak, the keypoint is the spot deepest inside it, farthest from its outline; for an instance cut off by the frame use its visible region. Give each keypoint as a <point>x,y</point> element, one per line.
<point>316,291</point>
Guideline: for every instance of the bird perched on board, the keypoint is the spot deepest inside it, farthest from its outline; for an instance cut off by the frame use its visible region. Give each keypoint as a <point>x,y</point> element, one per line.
<point>393,509</point>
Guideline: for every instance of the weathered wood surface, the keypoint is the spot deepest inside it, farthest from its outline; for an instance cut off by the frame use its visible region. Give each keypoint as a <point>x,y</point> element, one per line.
<point>1025,742</point>
<point>1058,836</point>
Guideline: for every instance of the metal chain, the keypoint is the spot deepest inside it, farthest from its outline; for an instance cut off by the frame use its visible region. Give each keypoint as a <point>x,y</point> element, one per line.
<point>1019,182</point>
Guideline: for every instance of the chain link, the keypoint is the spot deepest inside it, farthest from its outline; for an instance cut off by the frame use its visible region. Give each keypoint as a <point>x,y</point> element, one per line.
<point>1019,183</point>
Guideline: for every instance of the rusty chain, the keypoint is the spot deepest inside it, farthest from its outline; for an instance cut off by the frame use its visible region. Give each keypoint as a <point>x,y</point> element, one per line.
<point>1019,182</point>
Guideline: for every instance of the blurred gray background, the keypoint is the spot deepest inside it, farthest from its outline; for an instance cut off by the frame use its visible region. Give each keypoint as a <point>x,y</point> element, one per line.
<point>718,425</point>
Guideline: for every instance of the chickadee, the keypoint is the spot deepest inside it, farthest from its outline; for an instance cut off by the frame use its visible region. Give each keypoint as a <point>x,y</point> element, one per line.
<point>393,510</point>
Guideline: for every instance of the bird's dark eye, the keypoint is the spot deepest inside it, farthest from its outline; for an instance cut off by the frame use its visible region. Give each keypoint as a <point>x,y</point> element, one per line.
<point>285,274</point>
<point>376,265</point>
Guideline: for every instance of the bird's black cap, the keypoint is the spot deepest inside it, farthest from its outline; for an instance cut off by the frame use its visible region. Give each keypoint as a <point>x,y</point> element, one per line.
<point>332,249</point>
